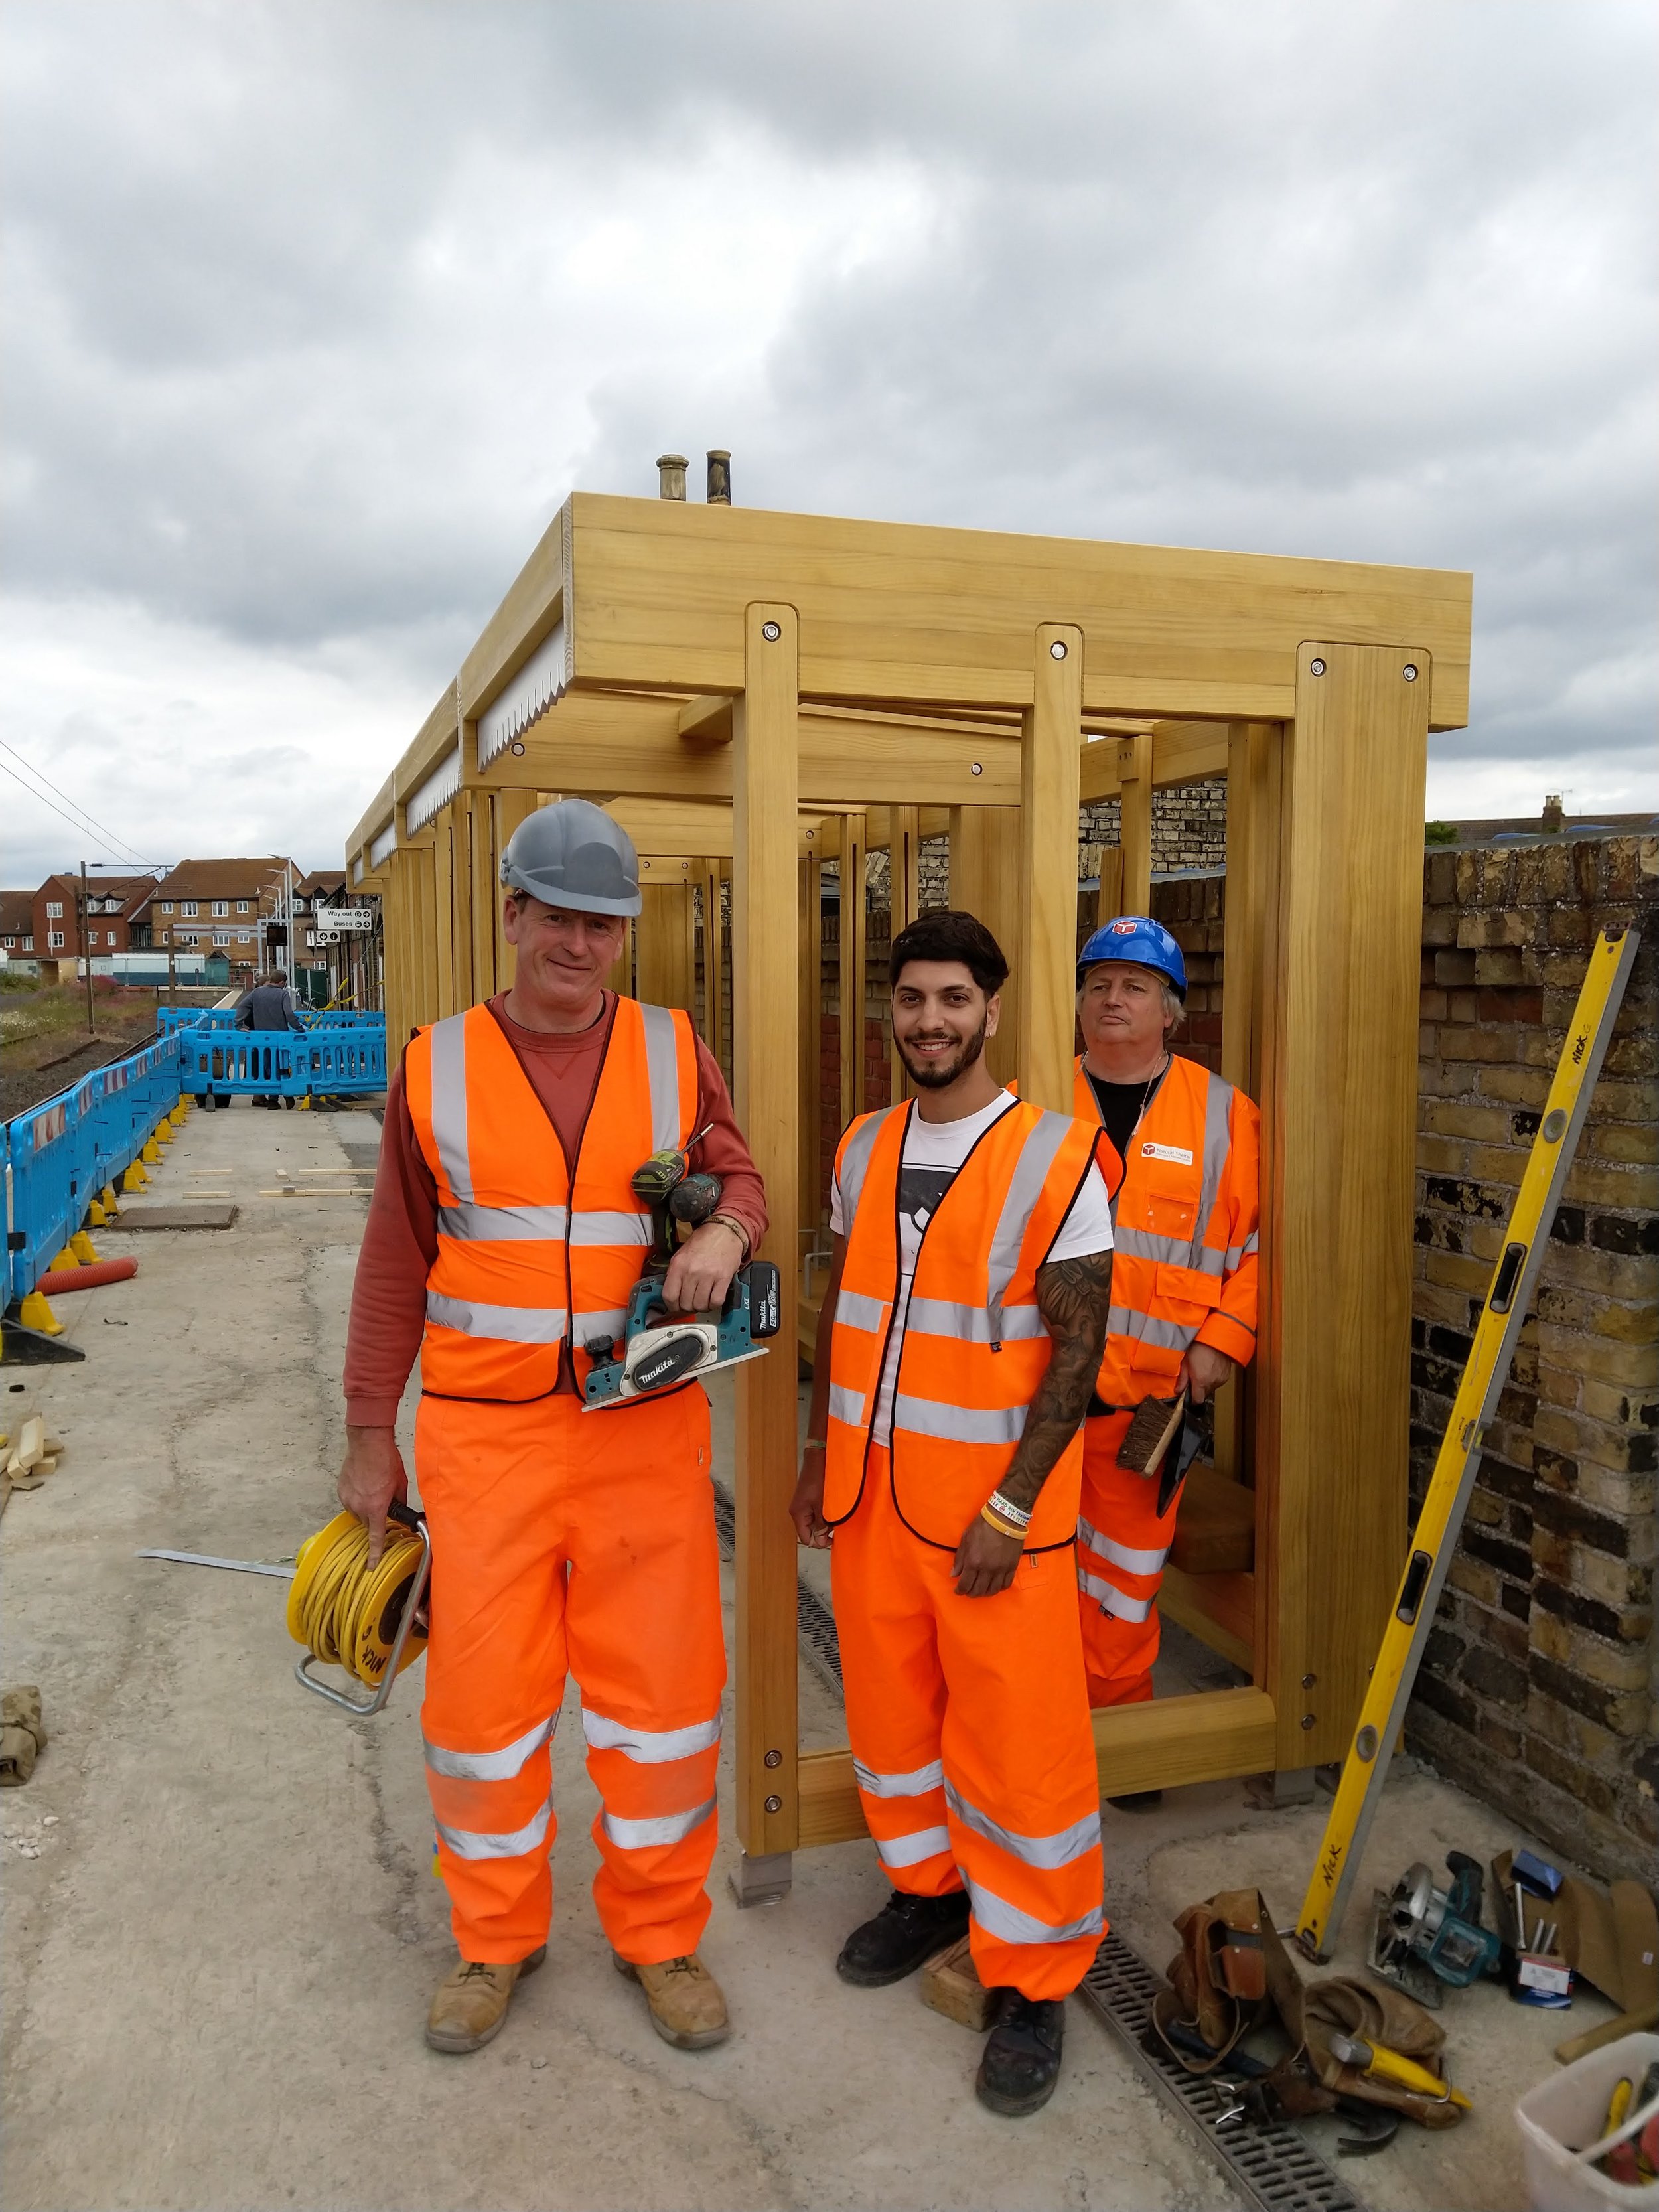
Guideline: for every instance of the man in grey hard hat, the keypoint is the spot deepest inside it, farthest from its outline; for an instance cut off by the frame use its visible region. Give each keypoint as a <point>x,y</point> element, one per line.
<point>504,1236</point>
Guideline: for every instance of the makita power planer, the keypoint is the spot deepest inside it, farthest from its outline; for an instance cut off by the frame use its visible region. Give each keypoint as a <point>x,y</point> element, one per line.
<point>660,1350</point>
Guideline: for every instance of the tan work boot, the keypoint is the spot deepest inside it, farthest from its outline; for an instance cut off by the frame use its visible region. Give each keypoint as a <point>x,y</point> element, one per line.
<point>471,2002</point>
<point>687,2007</point>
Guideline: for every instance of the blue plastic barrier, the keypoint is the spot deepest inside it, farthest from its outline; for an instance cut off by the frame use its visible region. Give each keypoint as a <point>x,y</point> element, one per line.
<point>170,1020</point>
<point>60,1155</point>
<point>337,1060</point>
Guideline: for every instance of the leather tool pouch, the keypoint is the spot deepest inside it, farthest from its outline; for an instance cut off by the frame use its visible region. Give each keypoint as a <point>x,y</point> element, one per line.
<point>1233,1975</point>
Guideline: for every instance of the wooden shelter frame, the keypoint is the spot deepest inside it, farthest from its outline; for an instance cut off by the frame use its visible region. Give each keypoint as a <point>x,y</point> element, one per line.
<point>757,693</point>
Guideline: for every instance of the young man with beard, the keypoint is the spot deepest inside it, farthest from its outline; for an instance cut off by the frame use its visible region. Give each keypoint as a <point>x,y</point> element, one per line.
<point>960,1335</point>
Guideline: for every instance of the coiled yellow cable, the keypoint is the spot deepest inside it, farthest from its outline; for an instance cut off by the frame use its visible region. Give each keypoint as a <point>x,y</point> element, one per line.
<point>346,1612</point>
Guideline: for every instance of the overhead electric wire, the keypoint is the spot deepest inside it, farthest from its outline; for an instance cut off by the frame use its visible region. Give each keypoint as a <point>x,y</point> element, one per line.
<point>41,776</point>
<point>70,818</point>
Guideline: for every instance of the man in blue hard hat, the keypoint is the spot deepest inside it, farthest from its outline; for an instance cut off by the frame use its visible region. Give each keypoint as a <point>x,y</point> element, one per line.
<point>1184,1279</point>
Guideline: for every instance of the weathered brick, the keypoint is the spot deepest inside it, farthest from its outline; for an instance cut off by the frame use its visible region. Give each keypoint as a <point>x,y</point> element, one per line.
<point>1620,1141</point>
<point>1486,1124</point>
<point>1609,1666</point>
<point>1586,1439</point>
<point>1453,968</point>
<point>1517,1086</point>
<point>1473,1579</point>
<point>1572,1775</point>
<point>1623,1713</point>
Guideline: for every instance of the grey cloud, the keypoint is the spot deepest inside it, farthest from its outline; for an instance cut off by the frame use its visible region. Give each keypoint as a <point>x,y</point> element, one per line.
<point>300,355</point>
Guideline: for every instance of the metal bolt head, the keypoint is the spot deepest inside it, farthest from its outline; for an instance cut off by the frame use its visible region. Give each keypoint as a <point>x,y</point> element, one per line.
<point>775,1804</point>
<point>1057,650</point>
<point>1307,1720</point>
<point>1316,667</point>
<point>1307,1681</point>
<point>518,746</point>
<point>1409,672</point>
<point>976,768</point>
<point>775,1759</point>
<point>771,632</point>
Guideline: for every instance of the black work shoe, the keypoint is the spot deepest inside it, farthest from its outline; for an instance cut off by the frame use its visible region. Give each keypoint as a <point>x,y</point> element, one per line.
<point>1021,2065</point>
<point>1138,1801</point>
<point>907,1931</point>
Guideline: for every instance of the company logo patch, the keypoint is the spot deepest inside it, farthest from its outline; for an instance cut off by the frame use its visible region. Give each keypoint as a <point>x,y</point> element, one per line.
<point>1149,1151</point>
<point>1130,928</point>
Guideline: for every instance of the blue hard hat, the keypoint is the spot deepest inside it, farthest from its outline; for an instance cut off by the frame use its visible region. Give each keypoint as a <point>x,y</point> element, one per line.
<point>1136,936</point>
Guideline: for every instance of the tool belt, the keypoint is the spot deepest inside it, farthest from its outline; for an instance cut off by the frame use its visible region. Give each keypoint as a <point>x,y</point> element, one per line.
<point>1232,1975</point>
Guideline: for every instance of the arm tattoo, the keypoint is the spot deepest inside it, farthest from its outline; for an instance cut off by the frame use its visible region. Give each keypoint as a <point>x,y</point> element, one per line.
<point>1074,1297</point>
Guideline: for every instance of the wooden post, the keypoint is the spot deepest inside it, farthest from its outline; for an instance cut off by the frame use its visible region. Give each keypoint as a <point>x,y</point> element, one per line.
<point>1134,768</point>
<point>985,881</point>
<point>707,876</point>
<point>485,889</point>
<point>1108,900</point>
<point>443,914</point>
<point>665,939</point>
<point>1340,1116</point>
<point>766,989</point>
<point>903,899</point>
<point>1253,834</point>
<point>810,939</point>
<point>851,961</point>
<point>511,808</point>
<point>1050,764</point>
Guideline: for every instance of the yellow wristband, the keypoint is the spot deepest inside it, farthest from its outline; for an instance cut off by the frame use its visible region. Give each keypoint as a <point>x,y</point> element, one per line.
<point>1002,1528</point>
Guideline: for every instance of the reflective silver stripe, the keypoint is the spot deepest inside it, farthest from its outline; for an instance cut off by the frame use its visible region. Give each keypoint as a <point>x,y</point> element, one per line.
<point>609,1320</point>
<point>466,1844</point>
<point>503,1225</point>
<point>662,1070</point>
<point>959,1424</point>
<point>649,1835</point>
<point>854,1310</point>
<point>649,1747</point>
<point>509,1324</point>
<point>1036,1157</point>
<point>1048,1852</point>
<point>913,1784</point>
<point>855,1161</point>
<point>971,1324</point>
<point>1149,1328</point>
<point>911,1851</point>
<point>1120,1555</point>
<point>998,1918</point>
<point>1111,1600</point>
<point>847,1405</point>
<point>490,1765</point>
<point>1217,1141</point>
<point>1239,1253</point>
<point>590,1227</point>
<point>1173,1252</point>
<point>447,1044</point>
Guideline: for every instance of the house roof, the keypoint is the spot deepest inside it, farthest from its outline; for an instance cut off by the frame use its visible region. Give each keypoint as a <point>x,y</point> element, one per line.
<point>211,879</point>
<point>133,892</point>
<point>16,913</point>
<point>321,882</point>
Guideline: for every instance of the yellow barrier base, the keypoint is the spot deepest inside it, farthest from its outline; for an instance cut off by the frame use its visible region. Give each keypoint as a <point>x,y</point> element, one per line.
<point>81,1246</point>
<point>35,1313</point>
<point>135,1179</point>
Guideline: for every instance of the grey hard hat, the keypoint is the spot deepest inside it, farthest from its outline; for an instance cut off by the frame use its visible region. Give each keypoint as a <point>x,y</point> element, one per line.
<point>573,854</point>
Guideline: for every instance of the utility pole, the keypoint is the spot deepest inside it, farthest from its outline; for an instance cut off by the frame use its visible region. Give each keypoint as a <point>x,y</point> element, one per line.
<point>86,949</point>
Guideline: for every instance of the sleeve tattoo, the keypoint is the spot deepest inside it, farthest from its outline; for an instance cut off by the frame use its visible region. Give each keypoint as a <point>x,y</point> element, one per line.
<point>1074,1297</point>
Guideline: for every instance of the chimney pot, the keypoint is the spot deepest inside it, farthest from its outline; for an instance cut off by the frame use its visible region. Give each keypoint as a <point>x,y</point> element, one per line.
<point>719,478</point>
<point>670,471</point>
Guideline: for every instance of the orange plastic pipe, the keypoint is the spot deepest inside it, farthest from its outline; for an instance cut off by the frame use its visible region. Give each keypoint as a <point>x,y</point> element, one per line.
<point>86,1279</point>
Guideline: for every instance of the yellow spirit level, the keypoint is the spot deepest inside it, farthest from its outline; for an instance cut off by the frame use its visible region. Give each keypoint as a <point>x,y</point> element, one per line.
<point>1484,1374</point>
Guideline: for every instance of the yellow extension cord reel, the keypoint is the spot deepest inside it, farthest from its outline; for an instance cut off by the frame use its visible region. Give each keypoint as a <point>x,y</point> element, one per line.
<point>346,1615</point>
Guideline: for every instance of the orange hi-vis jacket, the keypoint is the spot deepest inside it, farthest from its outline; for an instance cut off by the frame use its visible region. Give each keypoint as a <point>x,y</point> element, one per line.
<point>975,1346</point>
<point>1184,1267</point>
<point>534,1255</point>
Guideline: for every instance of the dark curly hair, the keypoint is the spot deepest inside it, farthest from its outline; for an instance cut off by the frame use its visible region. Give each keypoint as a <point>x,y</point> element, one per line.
<point>947,933</point>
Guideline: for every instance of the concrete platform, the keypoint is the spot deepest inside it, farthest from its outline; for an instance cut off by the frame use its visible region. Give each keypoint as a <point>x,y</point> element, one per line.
<point>222,1929</point>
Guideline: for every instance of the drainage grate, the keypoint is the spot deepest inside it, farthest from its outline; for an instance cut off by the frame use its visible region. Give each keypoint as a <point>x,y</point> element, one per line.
<point>1271,2168</point>
<point>818,1638</point>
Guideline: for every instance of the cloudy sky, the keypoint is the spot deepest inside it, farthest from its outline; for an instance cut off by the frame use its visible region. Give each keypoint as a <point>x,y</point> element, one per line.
<point>317,309</point>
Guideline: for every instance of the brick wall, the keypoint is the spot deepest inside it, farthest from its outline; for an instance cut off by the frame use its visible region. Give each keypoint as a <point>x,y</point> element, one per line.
<point>1539,1684</point>
<point>1539,1687</point>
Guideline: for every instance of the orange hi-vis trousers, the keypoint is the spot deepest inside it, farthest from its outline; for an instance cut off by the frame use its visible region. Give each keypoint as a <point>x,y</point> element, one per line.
<point>565,1539</point>
<point>971,1742</point>
<point>1122,1542</point>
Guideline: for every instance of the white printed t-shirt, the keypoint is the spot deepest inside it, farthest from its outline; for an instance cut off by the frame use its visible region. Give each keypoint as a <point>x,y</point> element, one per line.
<point>933,1153</point>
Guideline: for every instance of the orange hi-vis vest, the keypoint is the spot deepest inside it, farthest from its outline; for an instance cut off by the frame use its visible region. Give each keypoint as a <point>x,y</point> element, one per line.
<point>533,1255</point>
<point>1184,1219</point>
<point>975,1346</point>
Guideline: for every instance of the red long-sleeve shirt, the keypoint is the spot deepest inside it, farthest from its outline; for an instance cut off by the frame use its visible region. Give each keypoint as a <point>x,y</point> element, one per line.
<point>400,1241</point>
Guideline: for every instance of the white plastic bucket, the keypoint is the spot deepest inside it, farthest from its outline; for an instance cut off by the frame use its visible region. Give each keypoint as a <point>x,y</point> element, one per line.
<point>1560,2121</point>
